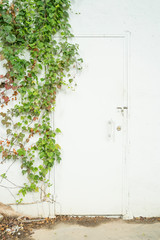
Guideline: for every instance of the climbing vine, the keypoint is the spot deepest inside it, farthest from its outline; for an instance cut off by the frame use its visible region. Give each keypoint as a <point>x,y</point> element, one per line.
<point>37,58</point>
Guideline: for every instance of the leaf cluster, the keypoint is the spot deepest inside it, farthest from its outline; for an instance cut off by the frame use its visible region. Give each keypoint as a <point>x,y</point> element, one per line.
<point>35,40</point>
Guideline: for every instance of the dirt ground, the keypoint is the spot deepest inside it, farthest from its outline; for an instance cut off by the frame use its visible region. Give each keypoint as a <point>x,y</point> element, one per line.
<point>115,230</point>
<point>79,228</point>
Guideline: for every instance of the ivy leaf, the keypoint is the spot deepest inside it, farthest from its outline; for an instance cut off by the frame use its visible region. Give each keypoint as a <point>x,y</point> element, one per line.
<point>1,149</point>
<point>70,80</point>
<point>11,38</point>
<point>24,172</point>
<point>7,18</point>
<point>19,124</point>
<point>58,159</point>
<point>66,14</point>
<point>9,131</point>
<point>42,154</point>
<point>8,28</point>
<point>6,99</point>
<point>57,146</point>
<point>58,130</point>
<point>40,66</point>
<point>3,175</point>
<point>48,195</point>
<point>21,152</point>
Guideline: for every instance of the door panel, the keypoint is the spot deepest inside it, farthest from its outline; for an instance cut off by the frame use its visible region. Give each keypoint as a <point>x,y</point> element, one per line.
<point>89,178</point>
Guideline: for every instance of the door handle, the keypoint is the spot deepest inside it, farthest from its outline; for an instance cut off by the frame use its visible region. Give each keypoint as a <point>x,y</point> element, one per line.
<point>122,108</point>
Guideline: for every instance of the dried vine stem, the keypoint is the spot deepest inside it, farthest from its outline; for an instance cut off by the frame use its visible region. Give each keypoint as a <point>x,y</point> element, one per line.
<point>37,65</point>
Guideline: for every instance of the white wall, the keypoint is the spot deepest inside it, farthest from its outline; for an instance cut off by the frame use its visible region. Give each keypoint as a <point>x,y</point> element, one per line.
<point>142,20</point>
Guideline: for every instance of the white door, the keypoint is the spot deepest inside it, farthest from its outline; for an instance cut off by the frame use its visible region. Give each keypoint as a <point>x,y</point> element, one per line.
<point>89,179</point>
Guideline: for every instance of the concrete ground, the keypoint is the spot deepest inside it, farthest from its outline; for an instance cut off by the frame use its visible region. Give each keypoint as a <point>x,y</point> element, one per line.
<point>115,230</point>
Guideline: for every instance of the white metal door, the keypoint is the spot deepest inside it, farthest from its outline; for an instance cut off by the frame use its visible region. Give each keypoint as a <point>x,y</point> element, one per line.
<point>89,179</point>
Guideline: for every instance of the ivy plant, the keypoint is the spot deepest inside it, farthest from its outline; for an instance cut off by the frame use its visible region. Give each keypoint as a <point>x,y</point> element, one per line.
<point>38,57</point>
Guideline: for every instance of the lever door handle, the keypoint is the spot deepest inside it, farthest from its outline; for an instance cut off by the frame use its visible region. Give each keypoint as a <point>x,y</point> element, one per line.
<point>122,108</point>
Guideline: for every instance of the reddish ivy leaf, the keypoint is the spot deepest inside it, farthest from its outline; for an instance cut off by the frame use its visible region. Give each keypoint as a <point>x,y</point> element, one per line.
<point>7,75</point>
<point>14,151</point>
<point>6,99</point>
<point>36,49</point>
<point>59,86</point>
<point>10,80</point>
<point>35,118</point>
<point>7,86</point>
<point>15,93</point>
<point>4,154</point>
<point>49,107</point>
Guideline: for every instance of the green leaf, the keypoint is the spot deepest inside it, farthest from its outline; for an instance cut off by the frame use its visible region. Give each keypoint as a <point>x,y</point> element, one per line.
<point>1,149</point>
<point>11,38</point>
<point>21,152</point>
<point>40,66</point>
<point>41,155</point>
<point>19,124</point>
<point>24,172</point>
<point>58,159</point>
<point>7,18</point>
<point>8,28</point>
<point>58,130</point>
<point>3,175</point>
<point>19,201</point>
<point>48,195</point>
<point>70,80</point>
<point>57,146</point>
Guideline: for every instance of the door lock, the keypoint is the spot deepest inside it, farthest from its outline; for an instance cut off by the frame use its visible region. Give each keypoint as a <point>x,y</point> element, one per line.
<point>118,128</point>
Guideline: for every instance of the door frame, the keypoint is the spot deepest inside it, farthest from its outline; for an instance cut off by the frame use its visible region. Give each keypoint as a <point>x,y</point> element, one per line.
<point>126,214</point>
